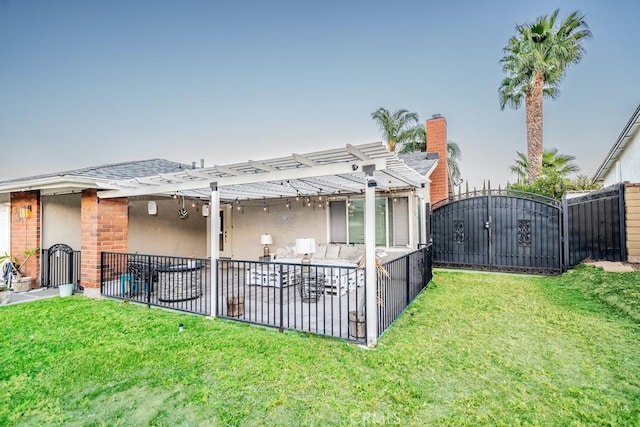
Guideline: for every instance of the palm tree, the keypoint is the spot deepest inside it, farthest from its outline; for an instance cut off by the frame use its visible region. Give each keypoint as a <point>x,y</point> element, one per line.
<point>553,164</point>
<point>535,62</point>
<point>454,154</point>
<point>398,128</point>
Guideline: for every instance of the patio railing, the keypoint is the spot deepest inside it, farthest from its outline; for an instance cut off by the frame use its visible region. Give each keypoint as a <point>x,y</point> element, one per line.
<point>407,277</point>
<point>177,283</point>
<point>321,299</point>
<point>309,298</point>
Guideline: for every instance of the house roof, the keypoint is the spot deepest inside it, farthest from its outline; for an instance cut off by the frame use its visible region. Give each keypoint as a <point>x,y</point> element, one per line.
<point>335,171</point>
<point>92,176</point>
<point>619,146</point>
<point>421,162</point>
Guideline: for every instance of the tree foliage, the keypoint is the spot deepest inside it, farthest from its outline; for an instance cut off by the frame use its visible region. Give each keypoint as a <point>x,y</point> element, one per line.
<point>535,61</point>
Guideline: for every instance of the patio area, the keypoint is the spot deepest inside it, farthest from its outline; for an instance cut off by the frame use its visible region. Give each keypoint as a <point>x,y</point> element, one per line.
<point>317,299</point>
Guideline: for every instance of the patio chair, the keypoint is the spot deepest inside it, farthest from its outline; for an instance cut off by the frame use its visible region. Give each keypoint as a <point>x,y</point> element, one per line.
<point>136,274</point>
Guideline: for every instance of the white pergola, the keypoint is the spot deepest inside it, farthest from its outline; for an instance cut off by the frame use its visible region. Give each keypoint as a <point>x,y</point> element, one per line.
<point>352,169</point>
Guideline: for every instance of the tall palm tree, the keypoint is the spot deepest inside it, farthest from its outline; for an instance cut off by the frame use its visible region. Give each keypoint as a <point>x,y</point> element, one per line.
<point>553,163</point>
<point>398,128</point>
<point>535,62</point>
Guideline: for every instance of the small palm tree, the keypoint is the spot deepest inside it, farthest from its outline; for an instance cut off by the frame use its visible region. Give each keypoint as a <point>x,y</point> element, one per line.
<point>398,128</point>
<point>535,62</point>
<point>553,163</point>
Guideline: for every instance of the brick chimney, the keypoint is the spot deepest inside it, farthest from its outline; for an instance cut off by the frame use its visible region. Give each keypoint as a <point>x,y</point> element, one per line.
<point>437,143</point>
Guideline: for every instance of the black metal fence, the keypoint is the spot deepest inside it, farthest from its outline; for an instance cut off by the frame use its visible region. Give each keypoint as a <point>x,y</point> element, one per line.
<point>400,283</point>
<point>178,283</point>
<point>320,299</point>
<point>61,265</point>
<point>595,226</point>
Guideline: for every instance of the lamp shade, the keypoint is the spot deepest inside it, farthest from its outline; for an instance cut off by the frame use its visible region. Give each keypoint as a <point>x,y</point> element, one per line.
<point>306,245</point>
<point>266,239</point>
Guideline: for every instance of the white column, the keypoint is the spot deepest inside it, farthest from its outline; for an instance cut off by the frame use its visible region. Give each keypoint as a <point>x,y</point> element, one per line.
<point>412,212</point>
<point>214,218</point>
<point>423,199</point>
<point>370,248</point>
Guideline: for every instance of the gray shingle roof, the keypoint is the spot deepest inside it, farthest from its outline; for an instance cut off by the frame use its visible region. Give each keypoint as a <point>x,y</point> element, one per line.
<point>420,161</point>
<point>125,170</point>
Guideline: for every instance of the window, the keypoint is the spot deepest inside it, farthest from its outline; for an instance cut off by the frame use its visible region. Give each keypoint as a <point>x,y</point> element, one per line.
<point>346,221</point>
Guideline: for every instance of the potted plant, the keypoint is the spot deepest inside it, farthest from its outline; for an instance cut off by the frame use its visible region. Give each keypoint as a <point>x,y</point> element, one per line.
<point>14,269</point>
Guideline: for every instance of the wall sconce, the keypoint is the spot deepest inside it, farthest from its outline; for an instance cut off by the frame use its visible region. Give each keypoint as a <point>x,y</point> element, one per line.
<point>24,212</point>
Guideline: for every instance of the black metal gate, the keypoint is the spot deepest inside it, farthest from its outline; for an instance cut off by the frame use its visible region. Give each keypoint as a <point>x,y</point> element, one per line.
<point>596,226</point>
<point>498,230</point>
<point>61,265</point>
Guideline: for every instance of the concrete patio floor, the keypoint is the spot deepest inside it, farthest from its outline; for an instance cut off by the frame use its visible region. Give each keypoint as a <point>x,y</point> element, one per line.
<point>32,295</point>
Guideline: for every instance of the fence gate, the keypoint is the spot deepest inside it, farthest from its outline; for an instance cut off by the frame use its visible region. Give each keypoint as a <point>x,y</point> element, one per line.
<point>61,265</point>
<point>595,225</point>
<point>500,230</point>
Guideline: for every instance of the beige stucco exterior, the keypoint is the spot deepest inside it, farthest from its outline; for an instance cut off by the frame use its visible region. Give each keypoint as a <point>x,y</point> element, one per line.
<point>632,207</point>
<point>284,225</point>
<point>165,233</point>
<point>61,220</point>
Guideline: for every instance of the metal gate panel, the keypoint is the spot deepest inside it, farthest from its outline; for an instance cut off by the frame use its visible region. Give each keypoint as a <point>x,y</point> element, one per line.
<point>525,235</point>
<point>498,232</point>
<point>459,239</point>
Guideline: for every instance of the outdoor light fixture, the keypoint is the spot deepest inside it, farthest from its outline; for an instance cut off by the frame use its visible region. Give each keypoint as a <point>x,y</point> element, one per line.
<point>306,246</point>
<point>266,240</point>
<point>24,212</point>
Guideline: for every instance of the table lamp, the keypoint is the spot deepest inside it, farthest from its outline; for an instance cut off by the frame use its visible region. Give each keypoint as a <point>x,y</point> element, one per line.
<point>266,240</point>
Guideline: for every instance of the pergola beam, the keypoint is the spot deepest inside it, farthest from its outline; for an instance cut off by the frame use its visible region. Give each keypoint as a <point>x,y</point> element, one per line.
<point>247,178</point>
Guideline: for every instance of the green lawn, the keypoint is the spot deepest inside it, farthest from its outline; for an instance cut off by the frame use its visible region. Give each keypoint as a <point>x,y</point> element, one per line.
<point>473,349</point>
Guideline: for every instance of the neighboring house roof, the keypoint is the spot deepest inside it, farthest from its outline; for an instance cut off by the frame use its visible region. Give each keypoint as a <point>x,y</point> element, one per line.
<point>93,176</point>
<point>619,146</point>
<point>421,162</point>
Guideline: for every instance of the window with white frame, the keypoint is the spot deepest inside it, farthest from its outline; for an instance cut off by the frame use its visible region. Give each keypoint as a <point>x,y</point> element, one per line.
<point>346,221</point>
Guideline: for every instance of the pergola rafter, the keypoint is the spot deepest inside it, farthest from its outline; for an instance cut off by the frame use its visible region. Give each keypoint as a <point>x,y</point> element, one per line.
<point>337,171</point>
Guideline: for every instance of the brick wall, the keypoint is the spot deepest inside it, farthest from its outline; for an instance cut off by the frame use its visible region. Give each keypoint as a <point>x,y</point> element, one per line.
<point>437,143</point>
<point>104,227</point>
<point>25,232</point>
<point>632,208</point>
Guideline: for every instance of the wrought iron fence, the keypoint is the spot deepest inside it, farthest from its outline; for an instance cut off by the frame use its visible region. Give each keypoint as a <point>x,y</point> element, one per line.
<point>178,283</point>
<point>400,281</point>
<point>321,299</point>
<point>61,265</point>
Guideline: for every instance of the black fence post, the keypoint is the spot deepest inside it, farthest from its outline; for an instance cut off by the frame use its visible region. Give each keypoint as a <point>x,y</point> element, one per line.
<point>622,219</point>
<point>281,279</point>
<point>407,279</point>
<point>564,237</point>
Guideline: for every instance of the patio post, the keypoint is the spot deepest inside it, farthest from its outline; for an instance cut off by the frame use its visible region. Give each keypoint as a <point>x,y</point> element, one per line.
<point>423,199</point>
<point>214,217</point>
<point>371,308</point>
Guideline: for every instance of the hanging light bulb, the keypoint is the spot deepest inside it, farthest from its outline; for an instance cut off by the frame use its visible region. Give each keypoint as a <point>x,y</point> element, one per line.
<point>288,205</point>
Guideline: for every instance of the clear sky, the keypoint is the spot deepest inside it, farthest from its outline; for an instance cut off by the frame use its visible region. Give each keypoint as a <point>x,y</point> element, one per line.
<point>92,82</point>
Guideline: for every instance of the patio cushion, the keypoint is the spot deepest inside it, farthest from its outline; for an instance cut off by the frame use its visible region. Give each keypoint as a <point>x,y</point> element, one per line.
<point>321,251</point>
<point>333,251</point>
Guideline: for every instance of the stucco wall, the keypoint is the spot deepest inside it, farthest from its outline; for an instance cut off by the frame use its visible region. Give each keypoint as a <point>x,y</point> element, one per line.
<point>629,164</point>
<point>165,233</point>
<point>284,225</point>
<point>5,230</point>
<point>61,220</point>
<point>632,207</point>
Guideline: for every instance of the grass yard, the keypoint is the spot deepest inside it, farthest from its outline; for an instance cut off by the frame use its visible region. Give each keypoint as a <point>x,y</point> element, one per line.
<point>473,349</point>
